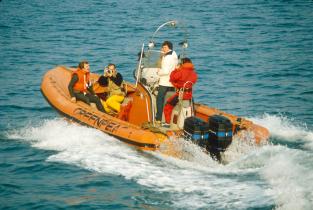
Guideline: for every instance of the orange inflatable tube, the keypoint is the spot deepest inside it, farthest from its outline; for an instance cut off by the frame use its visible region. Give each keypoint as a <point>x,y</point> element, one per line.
<point>127,126</point>
<point>55,90</point>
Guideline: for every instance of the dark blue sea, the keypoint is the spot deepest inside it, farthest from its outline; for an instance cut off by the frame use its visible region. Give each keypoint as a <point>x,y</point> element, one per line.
<point>254,59</point>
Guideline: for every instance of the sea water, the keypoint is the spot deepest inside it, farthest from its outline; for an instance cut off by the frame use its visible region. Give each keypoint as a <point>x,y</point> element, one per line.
<point>253,58</point>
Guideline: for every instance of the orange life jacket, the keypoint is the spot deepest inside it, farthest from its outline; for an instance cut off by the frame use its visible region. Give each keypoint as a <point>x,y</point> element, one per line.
<point>83,80</point>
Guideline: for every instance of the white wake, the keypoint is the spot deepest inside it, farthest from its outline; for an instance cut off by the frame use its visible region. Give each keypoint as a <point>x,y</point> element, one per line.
<point>255,176</point>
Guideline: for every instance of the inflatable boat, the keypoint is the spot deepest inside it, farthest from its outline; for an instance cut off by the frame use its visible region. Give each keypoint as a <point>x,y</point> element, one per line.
<point>210,128</point>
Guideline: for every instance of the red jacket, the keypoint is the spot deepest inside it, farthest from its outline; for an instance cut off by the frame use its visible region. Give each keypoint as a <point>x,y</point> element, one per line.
<point>183,74</point>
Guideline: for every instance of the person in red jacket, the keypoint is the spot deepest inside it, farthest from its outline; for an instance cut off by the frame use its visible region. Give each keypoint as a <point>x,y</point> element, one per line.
<point>182,78</point>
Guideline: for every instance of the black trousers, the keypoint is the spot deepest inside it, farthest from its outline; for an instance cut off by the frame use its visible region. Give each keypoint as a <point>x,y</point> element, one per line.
<point>160,100</point>
<point>89,98</point>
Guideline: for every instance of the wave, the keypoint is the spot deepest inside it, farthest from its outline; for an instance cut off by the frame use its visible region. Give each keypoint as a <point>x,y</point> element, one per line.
<point>255,176</point>
<point>16,107</point>
<point>287,130</point>
<point>309,93</point>
<point>290,178</point>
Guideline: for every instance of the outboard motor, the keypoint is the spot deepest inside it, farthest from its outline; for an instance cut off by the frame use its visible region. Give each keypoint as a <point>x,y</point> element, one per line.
<point>215,135</point>
<point>197,130</point>
<point>221,134</point>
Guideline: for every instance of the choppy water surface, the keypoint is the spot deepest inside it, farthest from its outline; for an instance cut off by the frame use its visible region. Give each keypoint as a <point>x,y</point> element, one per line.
<point>254,59</point>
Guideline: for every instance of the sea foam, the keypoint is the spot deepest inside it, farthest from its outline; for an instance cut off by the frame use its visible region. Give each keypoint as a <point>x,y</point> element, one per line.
<point>254,175</point>
<point>286,129</point>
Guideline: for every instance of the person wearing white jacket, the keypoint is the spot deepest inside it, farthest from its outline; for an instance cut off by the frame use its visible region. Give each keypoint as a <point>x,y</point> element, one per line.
<point>168,64</point>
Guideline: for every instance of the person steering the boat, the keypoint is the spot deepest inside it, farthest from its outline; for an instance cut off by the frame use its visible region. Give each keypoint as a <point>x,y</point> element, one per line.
<point>116,94</point>
<point>168,64</point>
<point>182,78</point>
<point>80,86</point>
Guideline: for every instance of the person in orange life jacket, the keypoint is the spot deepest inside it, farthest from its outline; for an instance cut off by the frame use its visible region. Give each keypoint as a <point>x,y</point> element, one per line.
<point>168,64</point>
<point>115,94</point>
<point>80,87</point>
<point>184,73</point>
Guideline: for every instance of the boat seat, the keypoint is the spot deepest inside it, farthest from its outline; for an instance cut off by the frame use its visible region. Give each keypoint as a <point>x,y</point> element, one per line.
<point>181,111</point>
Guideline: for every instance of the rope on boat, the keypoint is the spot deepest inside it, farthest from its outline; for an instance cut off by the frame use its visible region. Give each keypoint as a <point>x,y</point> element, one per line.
<point>149,126</point>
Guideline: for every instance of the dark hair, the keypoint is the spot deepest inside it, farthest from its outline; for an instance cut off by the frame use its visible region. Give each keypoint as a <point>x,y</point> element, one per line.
<point>168,43</point>
<point>112,64</point>
<point>185,60</point>
<point>82,63</point>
